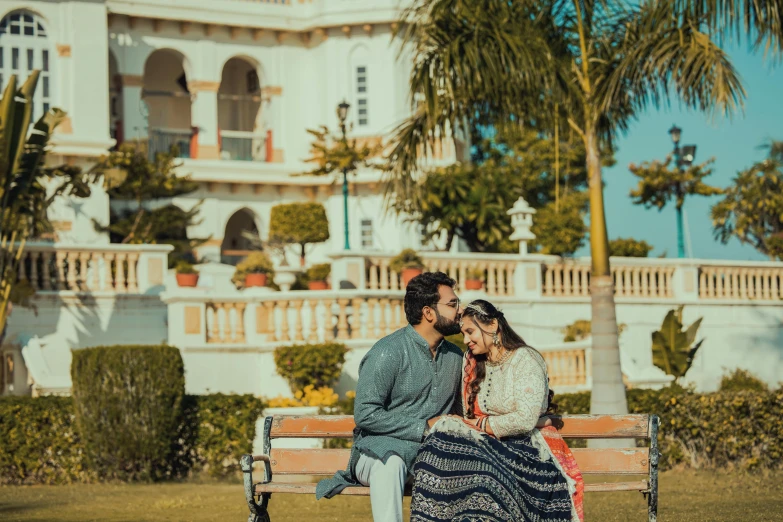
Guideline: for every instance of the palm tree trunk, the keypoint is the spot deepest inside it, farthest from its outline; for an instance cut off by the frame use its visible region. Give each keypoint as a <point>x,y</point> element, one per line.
<point>608,392</point>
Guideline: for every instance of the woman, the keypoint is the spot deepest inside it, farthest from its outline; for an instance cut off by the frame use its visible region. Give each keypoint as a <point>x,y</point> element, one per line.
<point>501,460</point>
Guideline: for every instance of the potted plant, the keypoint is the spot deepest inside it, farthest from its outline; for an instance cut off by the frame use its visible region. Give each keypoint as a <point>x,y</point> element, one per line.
<point>187,275</point>
<point>317,275</point>
<point>474,279</point>
<point>254,270</point>
<point>408,264</point>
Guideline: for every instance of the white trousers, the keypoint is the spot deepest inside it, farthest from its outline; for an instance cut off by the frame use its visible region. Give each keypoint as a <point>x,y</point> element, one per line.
<point>387,485</point>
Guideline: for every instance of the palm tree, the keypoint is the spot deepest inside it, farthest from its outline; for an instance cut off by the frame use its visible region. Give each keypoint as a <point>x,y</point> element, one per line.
<point>594,65</point>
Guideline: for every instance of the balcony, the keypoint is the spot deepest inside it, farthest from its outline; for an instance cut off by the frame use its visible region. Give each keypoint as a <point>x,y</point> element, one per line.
<point>242,146</point>
<point>176,141</point>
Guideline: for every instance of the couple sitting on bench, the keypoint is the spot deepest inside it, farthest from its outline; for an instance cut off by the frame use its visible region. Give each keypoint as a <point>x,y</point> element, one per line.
<point>470,432</point>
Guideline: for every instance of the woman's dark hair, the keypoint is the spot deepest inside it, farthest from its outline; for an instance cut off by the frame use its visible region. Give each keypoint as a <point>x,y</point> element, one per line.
<point>482,313</point>
<point>422,291</point>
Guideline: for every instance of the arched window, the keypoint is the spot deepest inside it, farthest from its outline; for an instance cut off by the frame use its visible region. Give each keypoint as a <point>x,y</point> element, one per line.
<point>24,46</point>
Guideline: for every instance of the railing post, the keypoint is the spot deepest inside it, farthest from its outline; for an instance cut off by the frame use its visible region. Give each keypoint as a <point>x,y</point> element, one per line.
<point>685,283</point>
<point>348,271</point>
<point>151,271</point>
<point>528,280</point>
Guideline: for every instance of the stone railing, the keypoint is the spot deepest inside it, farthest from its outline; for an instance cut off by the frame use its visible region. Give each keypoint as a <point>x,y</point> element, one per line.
<point>741,282</point>
<point>498,270</point>
<point>122,269</point>
<point>631,278</point>
<point>260,320</point>
<point>539,276</point>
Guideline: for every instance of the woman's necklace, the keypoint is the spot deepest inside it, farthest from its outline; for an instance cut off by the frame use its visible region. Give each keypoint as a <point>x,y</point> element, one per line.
<point>503,358</point>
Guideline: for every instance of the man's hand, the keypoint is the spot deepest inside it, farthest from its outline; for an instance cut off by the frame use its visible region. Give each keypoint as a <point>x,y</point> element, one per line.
<point>550,420</point>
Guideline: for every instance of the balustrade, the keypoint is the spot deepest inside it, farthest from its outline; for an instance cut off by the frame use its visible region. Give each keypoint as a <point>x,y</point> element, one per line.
<point>113,268</point>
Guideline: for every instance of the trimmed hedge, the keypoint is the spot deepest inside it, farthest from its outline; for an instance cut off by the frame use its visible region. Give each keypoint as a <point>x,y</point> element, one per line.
<point>735,429</point>
<point>128,406</point>
<point>41,445</point>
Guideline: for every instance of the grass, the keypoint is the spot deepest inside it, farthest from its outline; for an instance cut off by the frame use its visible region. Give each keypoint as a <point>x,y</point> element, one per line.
<point>685,496</point>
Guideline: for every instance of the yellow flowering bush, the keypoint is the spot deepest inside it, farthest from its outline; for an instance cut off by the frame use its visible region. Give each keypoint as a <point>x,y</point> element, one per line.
<point>323,397</point>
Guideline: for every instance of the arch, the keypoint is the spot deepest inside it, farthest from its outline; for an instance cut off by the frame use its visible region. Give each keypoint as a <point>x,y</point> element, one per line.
<point>168,102</point>
<point>24,42</point>
<point>235,245</point>
<point>242,129</point>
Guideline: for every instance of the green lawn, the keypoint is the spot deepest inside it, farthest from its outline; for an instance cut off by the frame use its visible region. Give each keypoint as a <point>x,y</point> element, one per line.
<point>685,496</point>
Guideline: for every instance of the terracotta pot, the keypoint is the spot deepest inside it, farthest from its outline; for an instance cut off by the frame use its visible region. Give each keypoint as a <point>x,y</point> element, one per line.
<point>410,273</point>
<point>252,280</point>
<point>187,279</point>
<point>317,285</point>
<point>473,284</point>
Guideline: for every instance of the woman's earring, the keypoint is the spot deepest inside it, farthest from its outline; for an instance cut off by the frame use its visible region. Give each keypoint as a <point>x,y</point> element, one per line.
<point>495,339</point>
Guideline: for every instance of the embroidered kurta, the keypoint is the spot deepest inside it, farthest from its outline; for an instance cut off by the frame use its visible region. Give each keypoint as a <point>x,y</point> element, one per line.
<point>514,394</point>
<point>401,386</point>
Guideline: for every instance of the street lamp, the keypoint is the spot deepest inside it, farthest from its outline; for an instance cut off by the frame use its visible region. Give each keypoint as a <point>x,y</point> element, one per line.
<point>683,157</point>
<point>342,115</point>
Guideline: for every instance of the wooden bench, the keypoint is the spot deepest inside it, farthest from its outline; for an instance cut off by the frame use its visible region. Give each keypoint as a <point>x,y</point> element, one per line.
<point>282,462</point>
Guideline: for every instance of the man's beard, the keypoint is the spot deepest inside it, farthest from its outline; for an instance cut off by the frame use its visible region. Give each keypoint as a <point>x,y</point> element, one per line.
<point>446,327</point>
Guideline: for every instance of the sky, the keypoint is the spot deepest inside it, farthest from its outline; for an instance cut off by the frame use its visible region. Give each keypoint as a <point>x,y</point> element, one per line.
<point>734,143</point>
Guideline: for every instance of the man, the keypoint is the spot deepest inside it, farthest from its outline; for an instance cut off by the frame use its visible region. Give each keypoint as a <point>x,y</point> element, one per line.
<point>406,382</point>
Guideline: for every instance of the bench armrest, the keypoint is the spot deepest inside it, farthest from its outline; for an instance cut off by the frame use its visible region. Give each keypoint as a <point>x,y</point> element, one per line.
<point>246,463</point>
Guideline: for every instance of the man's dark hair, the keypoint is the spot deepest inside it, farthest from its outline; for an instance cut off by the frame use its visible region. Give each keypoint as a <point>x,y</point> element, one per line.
<point>423,291</point>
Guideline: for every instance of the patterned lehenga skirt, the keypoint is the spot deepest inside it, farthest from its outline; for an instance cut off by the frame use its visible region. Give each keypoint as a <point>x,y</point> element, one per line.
<point>465,477</point>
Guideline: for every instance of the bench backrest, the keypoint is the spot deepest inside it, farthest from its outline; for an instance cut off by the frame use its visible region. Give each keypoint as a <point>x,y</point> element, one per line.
<point>627,461</point>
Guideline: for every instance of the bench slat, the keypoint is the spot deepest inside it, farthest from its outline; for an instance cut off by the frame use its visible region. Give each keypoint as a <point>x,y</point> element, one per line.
<point>631,461</point>
<point>309,489</point>
<point>575,426</point>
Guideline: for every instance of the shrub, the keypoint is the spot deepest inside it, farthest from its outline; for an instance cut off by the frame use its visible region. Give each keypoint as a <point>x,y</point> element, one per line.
<point>629,248</point>
<point>255,263</point>
<point>475,273</point>
<point>128,406</point>
<point>322,397</point>
<point>216,431</point>
<point>39,442</point>
<point>319,365</point>
<point>742,380</point>
<point>298,224</point>
<point>319,272</point>
<point>408,258</point>
<point>183,267</point>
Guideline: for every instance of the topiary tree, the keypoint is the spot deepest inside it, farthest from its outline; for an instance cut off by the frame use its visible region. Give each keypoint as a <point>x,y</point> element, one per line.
<point>629,247</point>
<point>128,406</point>
<point>298,224</point>
<point>318,365</point>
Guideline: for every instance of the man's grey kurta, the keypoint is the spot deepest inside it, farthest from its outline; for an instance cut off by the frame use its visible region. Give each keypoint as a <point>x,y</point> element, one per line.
<point>400,388</point>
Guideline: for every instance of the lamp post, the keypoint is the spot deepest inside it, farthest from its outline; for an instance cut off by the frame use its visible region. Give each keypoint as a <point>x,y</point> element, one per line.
<point>683,157</point>
<point>342,115</point>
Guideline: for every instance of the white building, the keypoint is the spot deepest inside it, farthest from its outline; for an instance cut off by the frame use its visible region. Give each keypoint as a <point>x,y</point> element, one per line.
<point>235,84</point>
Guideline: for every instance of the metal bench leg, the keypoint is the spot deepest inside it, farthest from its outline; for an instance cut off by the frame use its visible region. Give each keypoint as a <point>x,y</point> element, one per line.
<point>652,498</point>
<point>258,510</point>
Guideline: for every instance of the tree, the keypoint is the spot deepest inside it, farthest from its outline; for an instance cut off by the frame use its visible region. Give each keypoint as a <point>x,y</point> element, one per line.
<point>752,207</point>
<point>673,349</point>
<point>298,224</point>
<point>629,247</point>
<point>333,154</point>
<point>27,186</point>
<point>593,65</point>
<point>660,183</point>
<point>142,190</point>
<point>470,200</point>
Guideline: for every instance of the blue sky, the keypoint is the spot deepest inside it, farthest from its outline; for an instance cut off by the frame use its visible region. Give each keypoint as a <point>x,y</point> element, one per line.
<point>734,143</point>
